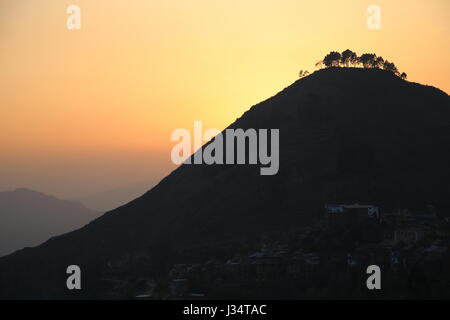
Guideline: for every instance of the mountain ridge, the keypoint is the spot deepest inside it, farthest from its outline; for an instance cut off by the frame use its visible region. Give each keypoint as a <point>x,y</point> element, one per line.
<point>29,217</point>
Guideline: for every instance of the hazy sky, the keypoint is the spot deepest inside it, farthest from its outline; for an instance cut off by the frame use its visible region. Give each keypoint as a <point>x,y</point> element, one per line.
<point>92,109</point>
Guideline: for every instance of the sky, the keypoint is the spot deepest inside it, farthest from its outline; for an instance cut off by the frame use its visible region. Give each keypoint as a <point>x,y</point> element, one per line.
<point>83,111</point>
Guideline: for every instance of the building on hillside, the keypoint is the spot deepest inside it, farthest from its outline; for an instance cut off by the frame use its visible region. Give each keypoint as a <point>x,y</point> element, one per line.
<point>406,235</point>
<point>179,287</point>
<point>183,270</point>
<point>356,210</point>
<point>268,266</point>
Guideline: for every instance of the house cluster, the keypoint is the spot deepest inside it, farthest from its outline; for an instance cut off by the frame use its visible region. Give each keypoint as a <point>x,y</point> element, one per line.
<point>180,276</point>
<point>264,265</point>
<point>399,226</point>
<point>400,241</point>
<point>403,226</point>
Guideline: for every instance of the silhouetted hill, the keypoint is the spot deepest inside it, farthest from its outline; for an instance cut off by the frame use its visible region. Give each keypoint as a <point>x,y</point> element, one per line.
<point>346,135</point>
<point>28,218</point>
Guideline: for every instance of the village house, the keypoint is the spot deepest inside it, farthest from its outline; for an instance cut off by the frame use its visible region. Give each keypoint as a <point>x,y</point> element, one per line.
<point>179,287</point>
<point>405,256</point>
<point>268,266</point>
<point>183,270</point>
<point>406,235</point>
<point>368,211</point>
<point>296,268</point>
<point>374,253</point>
<point>302,265</point>
<point>238,269</point>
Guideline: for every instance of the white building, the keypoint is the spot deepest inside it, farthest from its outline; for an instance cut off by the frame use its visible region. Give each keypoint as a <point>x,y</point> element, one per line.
<point>369,210</point>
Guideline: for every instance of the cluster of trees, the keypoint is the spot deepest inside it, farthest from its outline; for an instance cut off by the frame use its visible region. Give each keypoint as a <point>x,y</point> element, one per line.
<point>367,60</point>
<point>303,73</point>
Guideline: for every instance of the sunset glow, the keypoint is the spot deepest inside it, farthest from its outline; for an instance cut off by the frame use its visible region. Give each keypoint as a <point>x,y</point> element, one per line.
<point>86,110</point>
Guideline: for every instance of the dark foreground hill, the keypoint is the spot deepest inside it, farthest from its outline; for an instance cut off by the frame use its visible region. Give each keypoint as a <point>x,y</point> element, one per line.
<point>28,218</point>
<point>346,135</point>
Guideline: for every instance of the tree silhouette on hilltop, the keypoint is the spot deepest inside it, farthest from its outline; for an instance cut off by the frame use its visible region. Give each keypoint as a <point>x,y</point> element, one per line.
<point>333,59</point>
<point>348,58</point>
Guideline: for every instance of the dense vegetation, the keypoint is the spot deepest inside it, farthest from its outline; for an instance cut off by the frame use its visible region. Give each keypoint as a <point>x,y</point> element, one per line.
<point>349,58</point>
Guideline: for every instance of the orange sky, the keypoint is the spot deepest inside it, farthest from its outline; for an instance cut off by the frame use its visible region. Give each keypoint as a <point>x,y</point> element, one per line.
<point>91,109</point>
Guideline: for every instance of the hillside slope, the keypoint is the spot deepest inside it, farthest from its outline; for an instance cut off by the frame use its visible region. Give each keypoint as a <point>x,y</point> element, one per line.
<point>346,135</point>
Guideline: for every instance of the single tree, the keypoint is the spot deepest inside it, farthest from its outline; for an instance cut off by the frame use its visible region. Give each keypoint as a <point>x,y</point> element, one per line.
<point>367,60</point>
<point>378,63</point>
<point>332,59</point>
<point>404,76</point>
<point>348,57</point>
<point>390,66</point>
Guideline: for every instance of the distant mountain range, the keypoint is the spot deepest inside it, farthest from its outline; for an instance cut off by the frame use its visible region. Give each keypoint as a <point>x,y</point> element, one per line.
<point>113,198</point>
<point>28,218</point>
<point>347,135</point>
